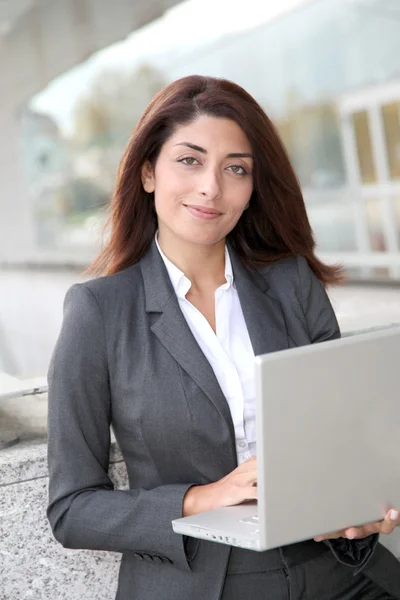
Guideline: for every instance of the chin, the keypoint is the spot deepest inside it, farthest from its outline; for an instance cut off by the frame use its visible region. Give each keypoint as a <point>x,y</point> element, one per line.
<point>202,238</point>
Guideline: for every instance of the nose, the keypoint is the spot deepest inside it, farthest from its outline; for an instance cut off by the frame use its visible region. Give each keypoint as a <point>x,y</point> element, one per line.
<point>210,183</point>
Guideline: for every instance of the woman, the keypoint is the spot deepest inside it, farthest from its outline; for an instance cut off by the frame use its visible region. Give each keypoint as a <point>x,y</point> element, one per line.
<point>210,261</point>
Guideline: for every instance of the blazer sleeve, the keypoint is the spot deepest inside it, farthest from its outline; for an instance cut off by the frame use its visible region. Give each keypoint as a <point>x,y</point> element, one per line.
<point>84,510</point>
<point>322,326</point>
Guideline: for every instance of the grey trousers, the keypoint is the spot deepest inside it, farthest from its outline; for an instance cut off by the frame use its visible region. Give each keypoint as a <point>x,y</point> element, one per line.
<point>316,575</point>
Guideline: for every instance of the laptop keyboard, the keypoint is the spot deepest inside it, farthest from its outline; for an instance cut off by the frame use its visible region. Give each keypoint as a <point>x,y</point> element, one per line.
<point>253,520</point>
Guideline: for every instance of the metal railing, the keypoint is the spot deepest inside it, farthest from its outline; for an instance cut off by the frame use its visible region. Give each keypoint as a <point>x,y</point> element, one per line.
<point>12,387</point>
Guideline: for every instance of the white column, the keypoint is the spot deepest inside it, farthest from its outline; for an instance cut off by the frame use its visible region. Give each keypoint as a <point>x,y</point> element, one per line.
<point>16,222</point>
<point>353,177</point>
<point>379,150</point>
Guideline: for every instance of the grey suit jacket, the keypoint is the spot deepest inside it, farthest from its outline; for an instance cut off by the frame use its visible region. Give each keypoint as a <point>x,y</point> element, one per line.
<point>126,357</point>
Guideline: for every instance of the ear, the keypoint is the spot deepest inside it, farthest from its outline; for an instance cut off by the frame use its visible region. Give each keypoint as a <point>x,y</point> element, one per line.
<point>147,176</point>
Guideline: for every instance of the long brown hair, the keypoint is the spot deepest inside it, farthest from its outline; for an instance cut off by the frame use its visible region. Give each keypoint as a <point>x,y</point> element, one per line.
<point>274,226</point>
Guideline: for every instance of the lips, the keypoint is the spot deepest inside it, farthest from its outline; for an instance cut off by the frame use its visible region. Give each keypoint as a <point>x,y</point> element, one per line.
<point>203,212</point>
<point>203,209</point>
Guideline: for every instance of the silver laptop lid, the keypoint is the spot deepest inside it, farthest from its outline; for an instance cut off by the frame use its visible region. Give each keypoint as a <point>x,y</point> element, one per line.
<point>322,396</point>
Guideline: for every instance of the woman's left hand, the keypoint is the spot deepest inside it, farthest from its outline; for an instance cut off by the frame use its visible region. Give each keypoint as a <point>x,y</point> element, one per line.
<point>387,525</point>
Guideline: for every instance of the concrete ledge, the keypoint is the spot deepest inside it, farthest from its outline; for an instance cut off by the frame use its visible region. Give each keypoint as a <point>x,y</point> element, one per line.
<point>28,460</point>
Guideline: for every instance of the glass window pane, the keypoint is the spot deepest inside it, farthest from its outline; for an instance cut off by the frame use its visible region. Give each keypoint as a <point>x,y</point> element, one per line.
<point>332,220</point>
<point>312,138</point>
<point>391,124</point>
<point>364,147</point>
<point>396,201</point>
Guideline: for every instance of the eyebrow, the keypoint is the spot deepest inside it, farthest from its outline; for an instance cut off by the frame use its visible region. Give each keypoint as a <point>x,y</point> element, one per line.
<point>204,151</point>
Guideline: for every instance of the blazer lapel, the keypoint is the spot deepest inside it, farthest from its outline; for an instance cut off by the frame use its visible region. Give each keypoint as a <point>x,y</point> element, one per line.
<point>262,311</point>
<point>174,333</point>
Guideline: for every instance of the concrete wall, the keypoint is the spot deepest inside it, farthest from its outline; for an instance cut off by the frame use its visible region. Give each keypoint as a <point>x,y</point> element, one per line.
<point>32,564</point>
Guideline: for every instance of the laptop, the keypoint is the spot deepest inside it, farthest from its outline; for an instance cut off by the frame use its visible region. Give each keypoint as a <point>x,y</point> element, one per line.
<point>328,453</point>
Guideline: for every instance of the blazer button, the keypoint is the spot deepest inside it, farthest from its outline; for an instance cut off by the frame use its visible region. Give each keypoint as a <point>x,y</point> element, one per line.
<point>157,559</point>
<point>167,560</point>
<point>137,555</point>
<point>147,557</point>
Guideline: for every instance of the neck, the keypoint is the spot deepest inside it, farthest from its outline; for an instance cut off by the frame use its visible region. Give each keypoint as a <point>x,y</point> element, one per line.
<point>204,266</point>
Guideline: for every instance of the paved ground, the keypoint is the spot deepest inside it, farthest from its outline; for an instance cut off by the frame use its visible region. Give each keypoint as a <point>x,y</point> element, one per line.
<point>30,318</point>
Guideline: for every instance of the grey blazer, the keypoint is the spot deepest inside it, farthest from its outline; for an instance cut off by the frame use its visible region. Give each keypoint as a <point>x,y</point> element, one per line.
<point>126,357</point>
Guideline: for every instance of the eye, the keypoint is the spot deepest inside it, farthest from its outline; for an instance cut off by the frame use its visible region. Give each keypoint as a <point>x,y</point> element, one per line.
<point>188,160</point>
<point>238,170</point>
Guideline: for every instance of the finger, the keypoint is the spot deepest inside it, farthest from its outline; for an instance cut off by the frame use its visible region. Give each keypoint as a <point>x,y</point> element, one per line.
<point>243,479</point>
<point>390,521</point>
<point>353,533</point>
<point>251,493</point>
<point>242,495</point>
<point>387,526</point>
<point>247,474</point>
<point>330,536</point>
<point>249,479</point>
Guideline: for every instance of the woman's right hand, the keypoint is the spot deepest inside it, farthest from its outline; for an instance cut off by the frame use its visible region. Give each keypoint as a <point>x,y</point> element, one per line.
<point>236,487</point>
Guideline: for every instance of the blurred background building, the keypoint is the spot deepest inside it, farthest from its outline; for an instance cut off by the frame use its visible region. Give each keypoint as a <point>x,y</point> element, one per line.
<point>75,76</point>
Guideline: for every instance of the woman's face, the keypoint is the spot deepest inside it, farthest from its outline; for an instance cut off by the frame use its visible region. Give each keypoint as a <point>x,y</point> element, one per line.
<point>202,180</point>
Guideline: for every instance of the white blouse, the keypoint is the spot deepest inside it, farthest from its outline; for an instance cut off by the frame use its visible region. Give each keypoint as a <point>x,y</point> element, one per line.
<point>229,351</point>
